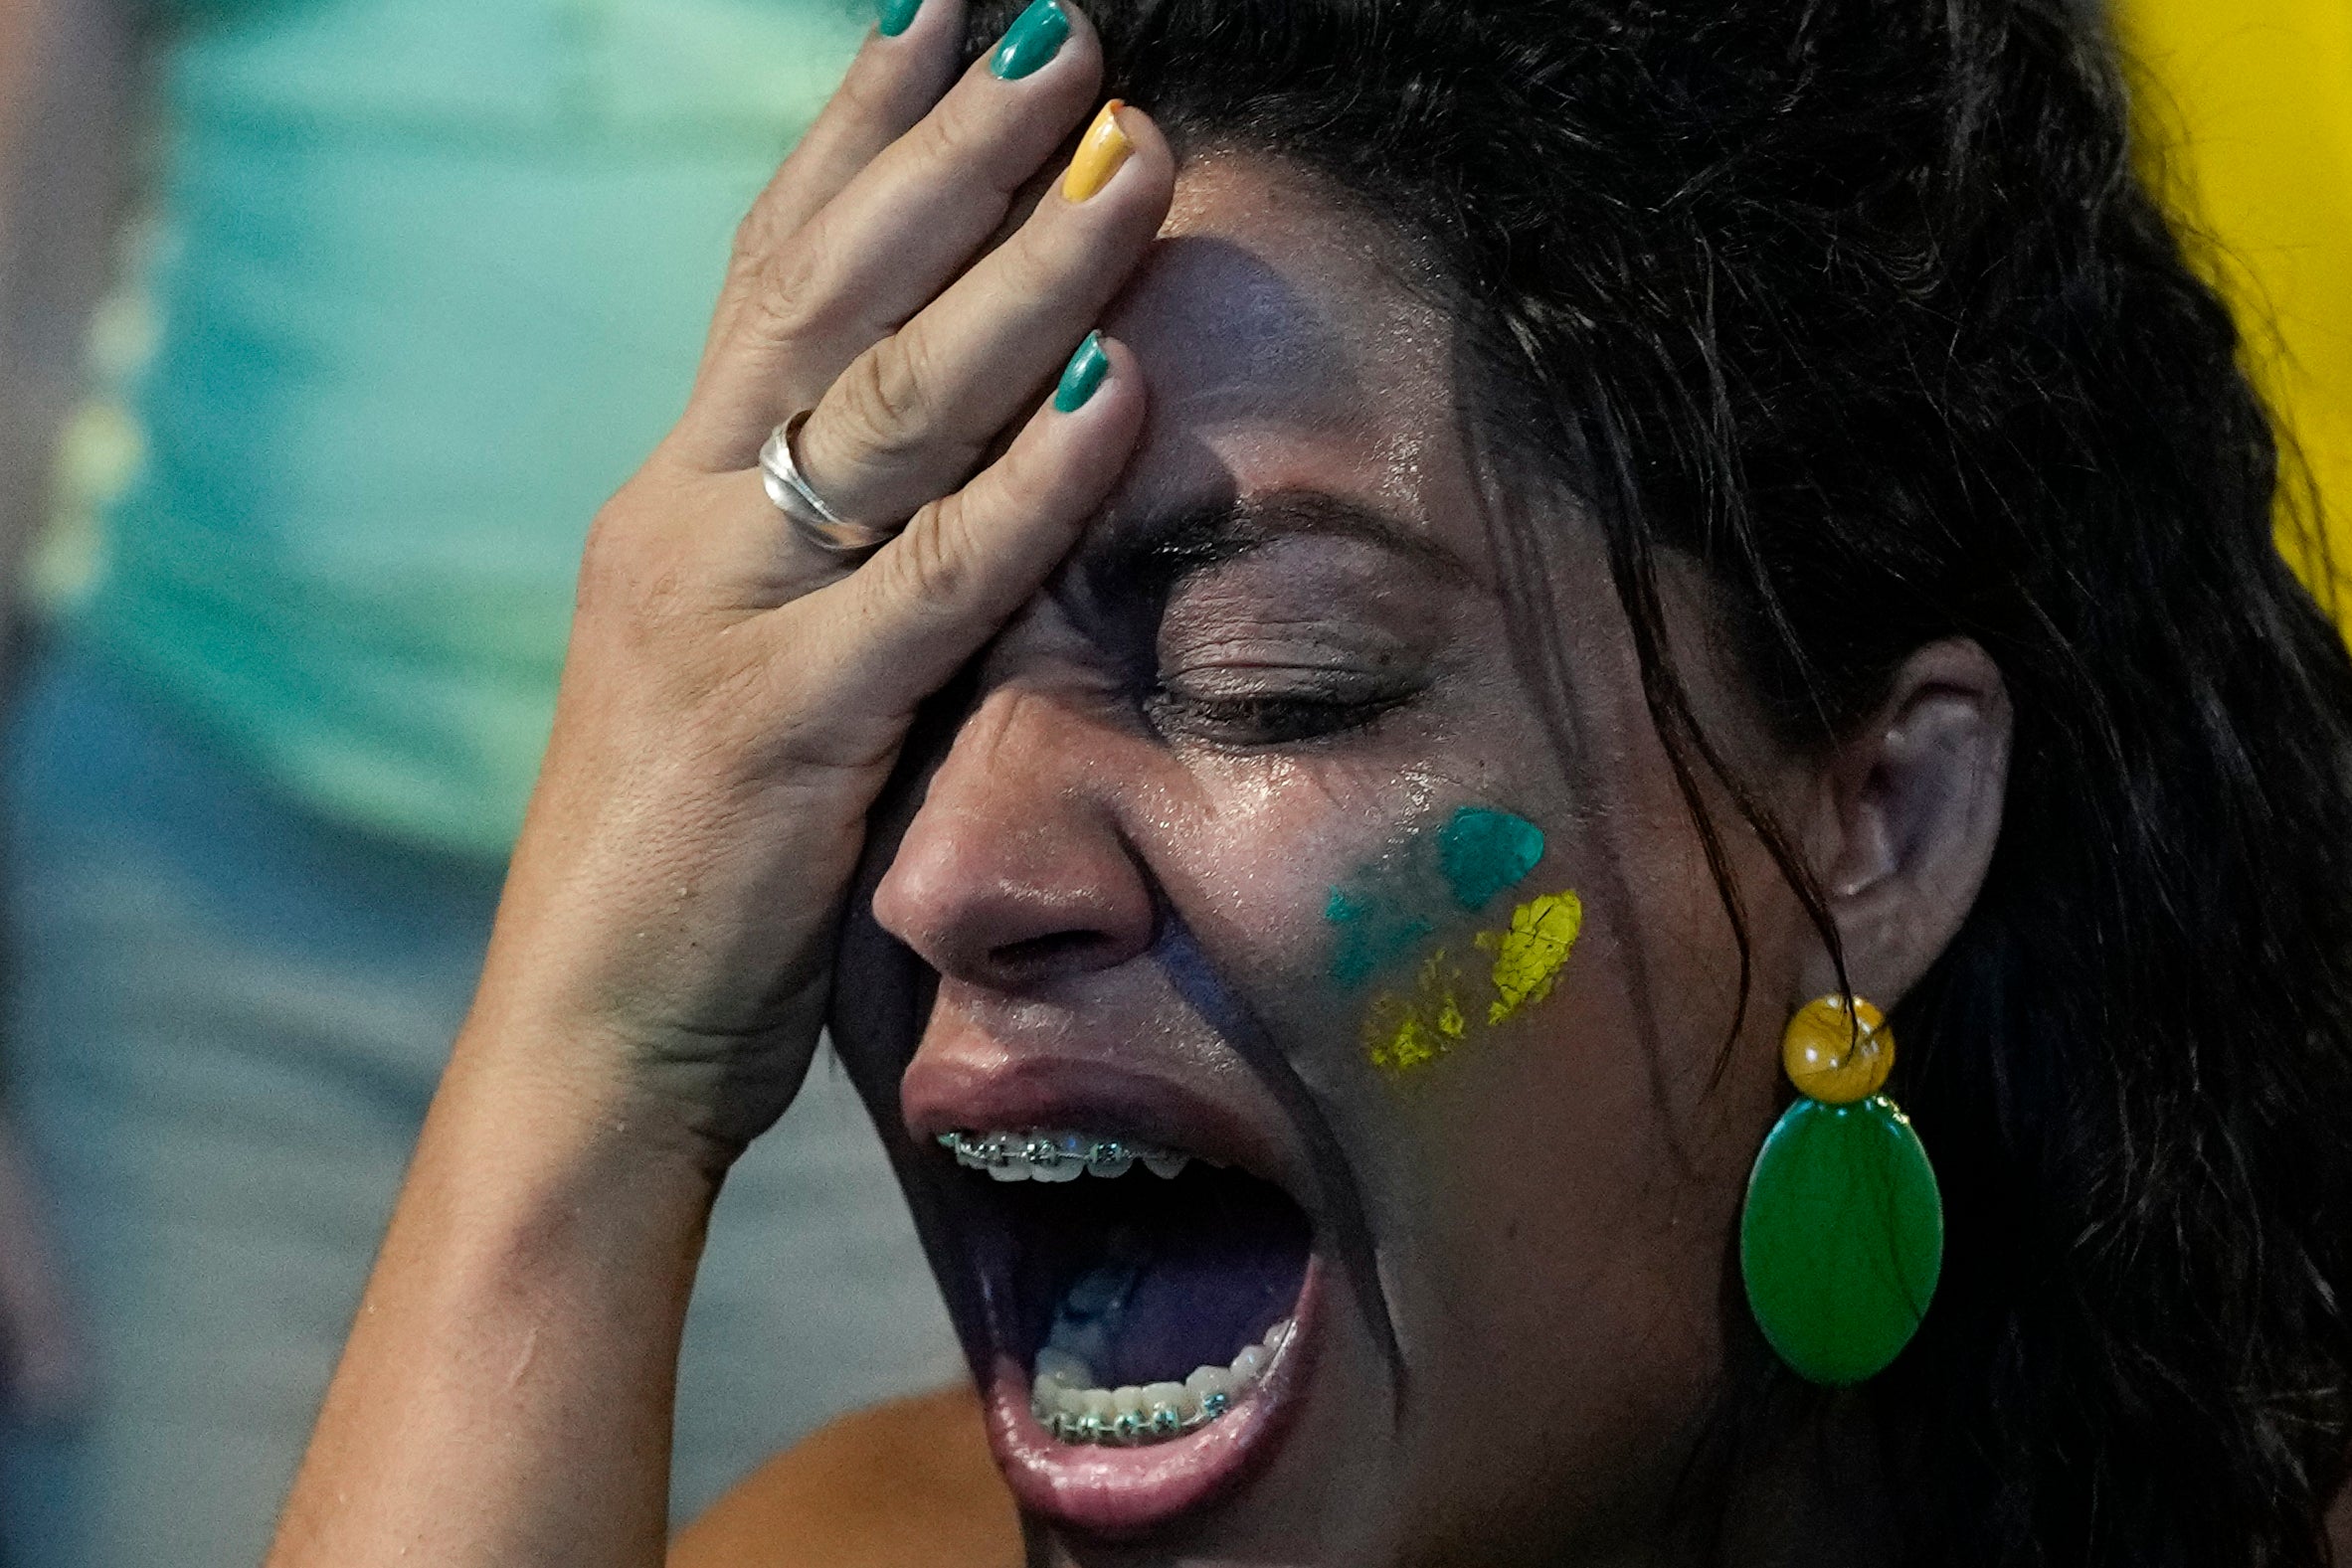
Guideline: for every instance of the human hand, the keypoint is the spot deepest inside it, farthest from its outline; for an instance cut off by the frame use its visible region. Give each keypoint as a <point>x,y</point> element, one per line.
<point>735,697</point>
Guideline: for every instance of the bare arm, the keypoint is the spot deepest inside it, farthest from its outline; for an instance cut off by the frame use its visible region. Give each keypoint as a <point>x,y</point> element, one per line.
<point>734,700</point>
<point>505,1395</point>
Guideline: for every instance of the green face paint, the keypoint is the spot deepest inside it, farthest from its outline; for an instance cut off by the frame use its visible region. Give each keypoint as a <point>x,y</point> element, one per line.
<point>1485,852</point>
<point>1385,911</point>
<point>1372,930</point>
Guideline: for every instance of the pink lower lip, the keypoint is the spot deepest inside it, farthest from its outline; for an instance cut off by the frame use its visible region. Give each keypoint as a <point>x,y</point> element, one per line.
<point>1118,1491</point>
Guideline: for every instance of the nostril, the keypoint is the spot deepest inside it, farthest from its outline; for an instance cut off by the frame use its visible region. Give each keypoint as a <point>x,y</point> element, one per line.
<point>1055,952</point>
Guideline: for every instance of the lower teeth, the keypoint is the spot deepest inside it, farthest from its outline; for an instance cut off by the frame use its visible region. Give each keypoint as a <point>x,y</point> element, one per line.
<point>1066,1403</point>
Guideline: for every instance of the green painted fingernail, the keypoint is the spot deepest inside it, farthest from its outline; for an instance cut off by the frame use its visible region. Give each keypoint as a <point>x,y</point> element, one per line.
<point>898,16</point>
<point>1088,368</point>
<point>1035,38</point>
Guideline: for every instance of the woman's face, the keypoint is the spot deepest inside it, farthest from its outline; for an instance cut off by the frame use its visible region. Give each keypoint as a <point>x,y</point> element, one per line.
<point>1256,844</point>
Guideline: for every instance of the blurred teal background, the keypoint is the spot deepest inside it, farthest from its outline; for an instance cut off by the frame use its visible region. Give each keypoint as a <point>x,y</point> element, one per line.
<point>426,281</point>
<point>403,289</point>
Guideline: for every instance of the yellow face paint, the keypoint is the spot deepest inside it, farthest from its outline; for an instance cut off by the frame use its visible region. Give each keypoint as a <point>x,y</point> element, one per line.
<point>1528,957</point>
<point>1404,1031</point>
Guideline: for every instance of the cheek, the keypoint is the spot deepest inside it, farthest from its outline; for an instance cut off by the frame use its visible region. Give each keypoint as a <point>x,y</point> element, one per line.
<point>1382,913</point>
<point>1452,940</point>
<point>1557,1244</point>
<point>1553,1136</point>
<point>1566,1247</point>
<point>1256,864</point>
<point>1468,987</point>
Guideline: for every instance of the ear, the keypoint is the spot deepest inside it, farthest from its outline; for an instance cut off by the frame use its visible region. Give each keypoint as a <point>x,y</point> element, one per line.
<point>1905,816</point>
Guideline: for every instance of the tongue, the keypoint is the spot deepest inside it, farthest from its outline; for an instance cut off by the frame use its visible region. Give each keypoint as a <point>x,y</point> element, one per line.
<point>1188,1289</point>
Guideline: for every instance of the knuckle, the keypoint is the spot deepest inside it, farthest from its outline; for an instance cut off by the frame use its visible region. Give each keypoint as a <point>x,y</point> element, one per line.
<point>608,563</point>
<point>867,92</point>
<point>762,236</point>
<point>624,584</point>
<point>632,577</point>
<point>787,293</point>
<point>885,397</point>
<point>756,238</point>
<point>931,569</point>
<point>1025,475</point>
<point>1050,245</point>
<point>965,134</point>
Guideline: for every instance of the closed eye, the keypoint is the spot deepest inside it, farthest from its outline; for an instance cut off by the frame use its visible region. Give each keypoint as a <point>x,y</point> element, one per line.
<point>1246,721</point>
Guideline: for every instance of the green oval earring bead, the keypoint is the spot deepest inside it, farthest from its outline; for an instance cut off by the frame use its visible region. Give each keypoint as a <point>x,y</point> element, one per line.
<point>1842,1239</point>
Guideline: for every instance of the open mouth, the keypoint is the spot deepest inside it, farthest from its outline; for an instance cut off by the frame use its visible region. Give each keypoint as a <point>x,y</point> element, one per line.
<point>1147,1306</point>
<point>1150,1288</point>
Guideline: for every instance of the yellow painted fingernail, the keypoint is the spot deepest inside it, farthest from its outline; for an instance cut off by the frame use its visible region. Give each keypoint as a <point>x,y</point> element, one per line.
<point>1099,155</point>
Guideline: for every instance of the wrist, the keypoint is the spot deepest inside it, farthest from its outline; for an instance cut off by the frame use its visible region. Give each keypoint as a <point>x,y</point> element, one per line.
<point>540,1194</point>
<point>581,1090</point>
<point>586,1017</point>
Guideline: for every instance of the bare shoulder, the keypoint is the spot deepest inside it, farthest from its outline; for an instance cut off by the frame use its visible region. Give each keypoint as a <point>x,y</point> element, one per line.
<point>904,1483</point>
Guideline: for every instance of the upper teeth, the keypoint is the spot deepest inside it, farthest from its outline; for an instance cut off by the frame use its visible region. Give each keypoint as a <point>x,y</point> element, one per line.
<point>1041,1155</point>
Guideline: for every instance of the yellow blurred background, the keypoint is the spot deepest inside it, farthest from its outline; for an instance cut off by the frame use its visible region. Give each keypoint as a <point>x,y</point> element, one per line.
<point>2246,111</point>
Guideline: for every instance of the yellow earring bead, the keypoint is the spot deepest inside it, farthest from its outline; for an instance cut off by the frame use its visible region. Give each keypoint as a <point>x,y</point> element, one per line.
<point>1835,1056</point>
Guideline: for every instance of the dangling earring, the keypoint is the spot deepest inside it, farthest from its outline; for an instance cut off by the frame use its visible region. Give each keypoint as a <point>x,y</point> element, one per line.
<point>1842,1238</point>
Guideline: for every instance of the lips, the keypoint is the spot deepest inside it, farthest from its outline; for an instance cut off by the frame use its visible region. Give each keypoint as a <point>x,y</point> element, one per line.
<point>1144,1268</point>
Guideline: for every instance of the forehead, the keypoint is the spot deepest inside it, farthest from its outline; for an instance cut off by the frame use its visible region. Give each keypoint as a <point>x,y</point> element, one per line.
<point>1284,349</point>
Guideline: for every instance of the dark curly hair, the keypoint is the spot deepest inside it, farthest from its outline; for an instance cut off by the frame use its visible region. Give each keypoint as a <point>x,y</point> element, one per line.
<point>1859,304</point>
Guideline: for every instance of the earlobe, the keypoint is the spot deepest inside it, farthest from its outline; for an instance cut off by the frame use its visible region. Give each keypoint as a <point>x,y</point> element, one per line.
<point>1910,811</point>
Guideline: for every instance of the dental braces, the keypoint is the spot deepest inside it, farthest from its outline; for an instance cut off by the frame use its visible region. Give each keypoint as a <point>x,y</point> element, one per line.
<point>1129,1417</point>
<point>1099,1156</point>
<point>1131,1428</point>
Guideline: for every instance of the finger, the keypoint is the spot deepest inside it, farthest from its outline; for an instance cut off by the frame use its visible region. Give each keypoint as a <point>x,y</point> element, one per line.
<point>904,225</point>
<point>913,415</point>
<point>907,62</point>
<point>900,626</point>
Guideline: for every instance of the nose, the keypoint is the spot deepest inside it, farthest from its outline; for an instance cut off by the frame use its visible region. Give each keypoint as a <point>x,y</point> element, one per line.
<point>1014,872</point>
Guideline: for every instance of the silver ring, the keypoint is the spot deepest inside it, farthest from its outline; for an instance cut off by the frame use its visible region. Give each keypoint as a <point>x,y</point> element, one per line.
<point>798,500</point>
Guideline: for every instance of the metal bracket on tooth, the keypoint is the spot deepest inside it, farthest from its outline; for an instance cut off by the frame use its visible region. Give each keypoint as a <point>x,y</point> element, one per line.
<point>1019,1156</point>
<point>1133,1428</point>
